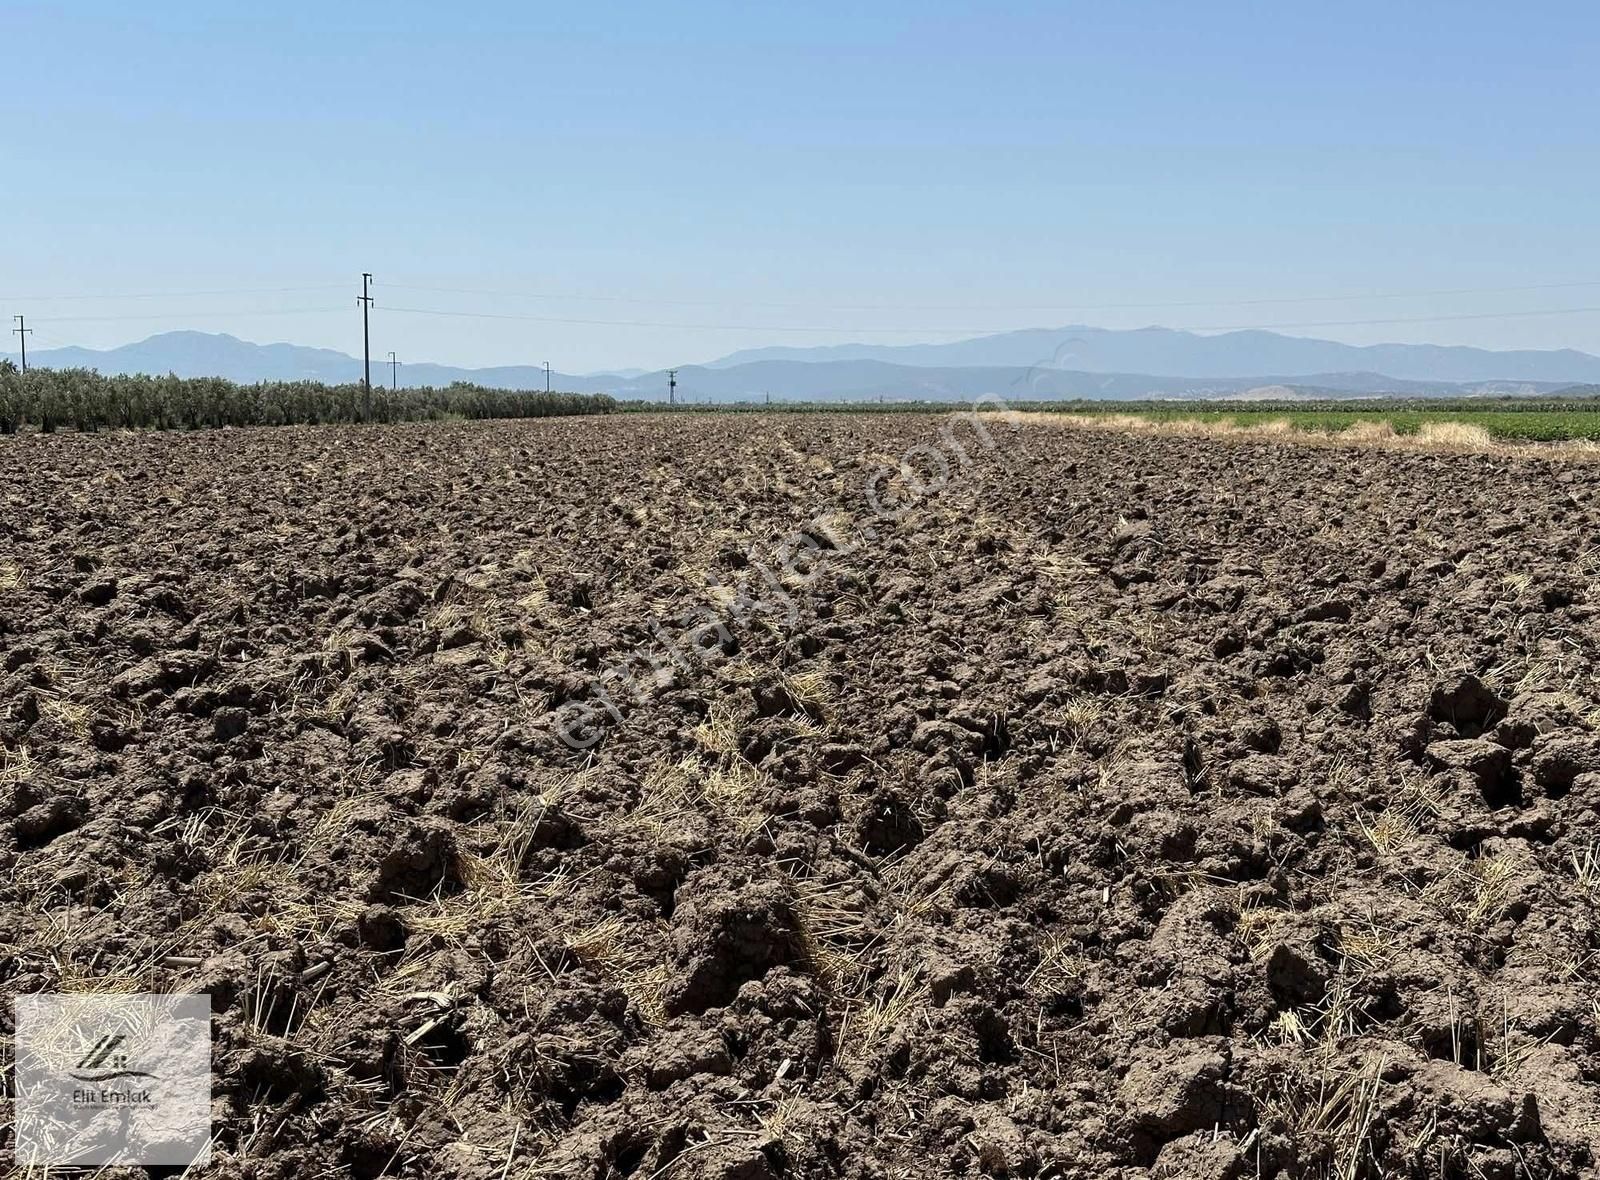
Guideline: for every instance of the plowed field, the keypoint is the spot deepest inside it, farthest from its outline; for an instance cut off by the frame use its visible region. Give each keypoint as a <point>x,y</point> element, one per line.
<point>818,796</point>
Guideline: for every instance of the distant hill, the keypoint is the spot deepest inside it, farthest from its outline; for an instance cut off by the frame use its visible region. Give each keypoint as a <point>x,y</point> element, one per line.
<point>825,377</point>
<point>1163,352</point>
<point>874,380</point>
<point>207,354</point>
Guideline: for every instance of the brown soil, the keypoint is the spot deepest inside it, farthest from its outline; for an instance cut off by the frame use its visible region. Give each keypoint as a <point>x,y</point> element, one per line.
<point>1132,806</point>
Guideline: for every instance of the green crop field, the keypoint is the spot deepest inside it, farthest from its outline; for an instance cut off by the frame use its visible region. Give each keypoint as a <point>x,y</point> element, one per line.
<point>1527,420</point>
<point>1547,426</point>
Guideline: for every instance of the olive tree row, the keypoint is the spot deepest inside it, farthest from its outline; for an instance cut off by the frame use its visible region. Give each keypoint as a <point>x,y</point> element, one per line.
<point>83,399</point>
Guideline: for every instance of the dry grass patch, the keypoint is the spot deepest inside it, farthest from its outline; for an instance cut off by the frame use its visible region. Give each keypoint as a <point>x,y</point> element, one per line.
<point>812,691</point>
<point>718,734</point>
<point>1586,868</point>
<point>615,950</point>
<point>1081,713</point>
<point>1369,432</point>
<point>1259,926</point>
<point>909,889</point>
<point>675,797</point>
<point>1455,436</point>
<point>734,792</point>
<point>1478,892</point>
<point>493,886</point>
<point>16,765</point>
<point>1331,1116</point>
<point>836,929</point>
<point>1399,824</point>
<point>869,1019</point>
<point>1061,964</point>
<point>311,700</point>
<point>733,789</point>
<point>1365,945</point>
<point>72,717</point>
<point>254,875</point>
<point>667,799</point>
<point>1432,436</point>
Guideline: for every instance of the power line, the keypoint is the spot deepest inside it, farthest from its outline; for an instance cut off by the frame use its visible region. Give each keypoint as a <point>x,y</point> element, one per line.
<point>1156,306</point>
<point>536,319</point>
<point>171,294</point>
<point>22,332</point>
<point>970,331</point>
<point>850,329</point>
<point>1421,319</point>
<point>365,302</point>
<point>1349,297</point>
<point>187,315</point>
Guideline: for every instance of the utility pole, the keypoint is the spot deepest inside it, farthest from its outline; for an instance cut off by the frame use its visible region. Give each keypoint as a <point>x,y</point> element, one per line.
<point>366,348</point>
<point>22,331</point>
<point>547,376</point>
<point>394,372</point>
<point>672,387</point>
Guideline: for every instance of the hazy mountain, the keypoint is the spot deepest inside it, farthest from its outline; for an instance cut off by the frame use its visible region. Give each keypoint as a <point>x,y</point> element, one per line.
<point>1163,352</point>
<point>824,377</point>
<point>871,380</point>
<point>206,354</point>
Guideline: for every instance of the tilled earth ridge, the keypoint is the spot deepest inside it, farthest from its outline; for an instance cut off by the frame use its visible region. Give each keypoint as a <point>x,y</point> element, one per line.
<point>1130,806</point>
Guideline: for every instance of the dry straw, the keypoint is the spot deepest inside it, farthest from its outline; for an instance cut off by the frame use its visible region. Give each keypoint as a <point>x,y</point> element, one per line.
<point>1433,436</point>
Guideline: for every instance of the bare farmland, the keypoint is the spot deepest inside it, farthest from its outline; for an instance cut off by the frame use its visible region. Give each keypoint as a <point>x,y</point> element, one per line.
<point>818,796</point>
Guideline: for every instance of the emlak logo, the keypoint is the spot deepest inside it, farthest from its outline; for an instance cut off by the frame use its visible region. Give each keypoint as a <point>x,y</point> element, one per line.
<point>104,1052</point>
<point>112,1079</point>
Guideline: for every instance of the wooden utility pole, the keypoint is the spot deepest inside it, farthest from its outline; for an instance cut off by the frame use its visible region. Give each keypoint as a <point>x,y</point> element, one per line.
<point>366,349</point>
<point>22,331</point>
<point>394,372</point>
<point>547,376</point>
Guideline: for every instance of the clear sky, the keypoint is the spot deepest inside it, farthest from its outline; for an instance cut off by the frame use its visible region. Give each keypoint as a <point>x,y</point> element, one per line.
<point>752,174</point>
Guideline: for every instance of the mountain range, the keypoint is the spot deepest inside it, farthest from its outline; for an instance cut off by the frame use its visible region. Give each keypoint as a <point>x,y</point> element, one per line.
<point>1071,362</point>
<point>1165,352</point>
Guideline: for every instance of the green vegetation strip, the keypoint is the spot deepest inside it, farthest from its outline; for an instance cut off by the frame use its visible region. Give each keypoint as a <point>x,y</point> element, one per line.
<point>1526,419</point>
<point>80,399</point>
<point>83,400</point>
<point>1529,425</point>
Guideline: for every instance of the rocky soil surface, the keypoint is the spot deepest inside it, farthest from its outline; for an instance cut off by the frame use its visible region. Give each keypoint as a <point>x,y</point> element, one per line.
<point>758,797</point>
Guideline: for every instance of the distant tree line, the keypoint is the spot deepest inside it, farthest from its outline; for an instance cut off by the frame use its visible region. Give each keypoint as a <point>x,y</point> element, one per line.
<point>84,400</point>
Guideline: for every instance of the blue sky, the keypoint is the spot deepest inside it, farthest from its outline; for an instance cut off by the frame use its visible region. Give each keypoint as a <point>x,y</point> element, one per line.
<point>692,179</point>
